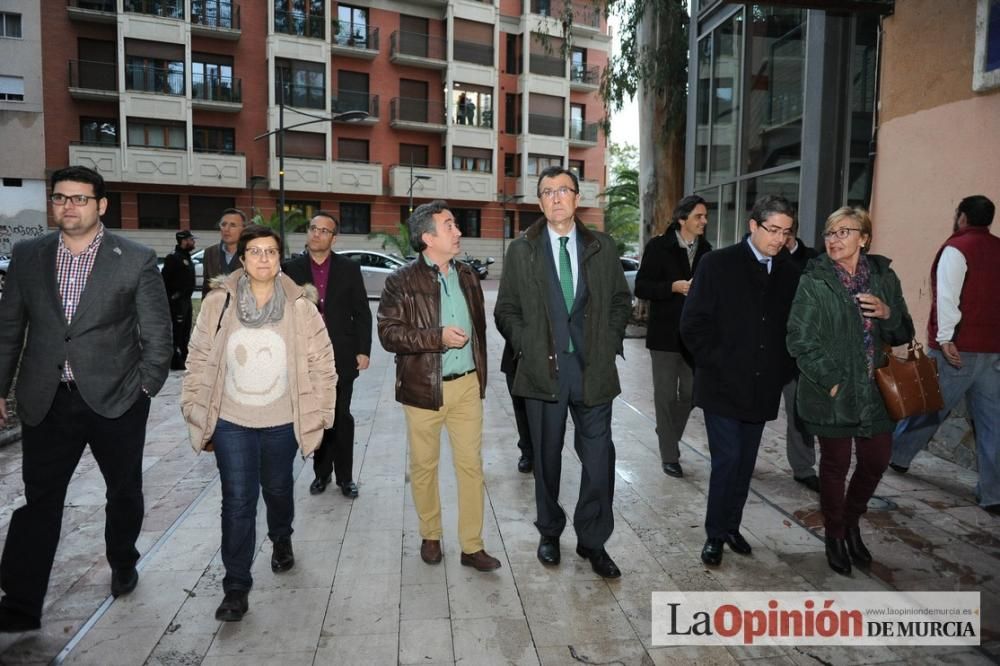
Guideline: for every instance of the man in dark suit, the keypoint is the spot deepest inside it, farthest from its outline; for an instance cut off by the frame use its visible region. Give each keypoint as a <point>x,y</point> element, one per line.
<point>178,277</point>
<point>89,311</point>
<point>344,305</point>
<point>563,304</point>
<point>733,323</point>
<point>221,259</point>
<point>508,366</point>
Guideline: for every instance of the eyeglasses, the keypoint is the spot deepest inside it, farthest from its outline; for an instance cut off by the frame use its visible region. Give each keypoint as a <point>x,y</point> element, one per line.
<point>230,225</point>
<point>776,231</point>
<point>841,233</point>
<point>258,252</point>
<point>313,229</point>
<point>58,199</point>
<point>561,191</point>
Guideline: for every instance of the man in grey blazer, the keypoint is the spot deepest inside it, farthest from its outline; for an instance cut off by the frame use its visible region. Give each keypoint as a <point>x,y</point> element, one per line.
<point>88,310</point>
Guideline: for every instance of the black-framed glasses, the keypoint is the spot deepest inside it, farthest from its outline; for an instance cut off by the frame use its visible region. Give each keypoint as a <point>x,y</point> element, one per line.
<point>777,231</point>
<point>561,191</point>
<point>841,233</point>
<point>313,229</point>
<point>59,199</point>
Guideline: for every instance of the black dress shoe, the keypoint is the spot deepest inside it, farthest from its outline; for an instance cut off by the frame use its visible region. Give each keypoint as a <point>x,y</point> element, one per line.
<point>282,557</point>
<point>899,469</point>
<point>673,469</point>
<point>319,485</point>
<point>548,550</point>
<point>837,556</point>
<point>738,544</point>
<point>123,581</point>
<point>600,561</point>
<point>12,621</point>
<point>348,488</point>
<point>711,554</point>
<point>524,465</point>
<point>233,607</point>
<point>811,482</point>
<point>856,547</point>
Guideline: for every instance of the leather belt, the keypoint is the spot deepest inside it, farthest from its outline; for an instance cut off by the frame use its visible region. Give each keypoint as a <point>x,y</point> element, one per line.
<point>457,375</point>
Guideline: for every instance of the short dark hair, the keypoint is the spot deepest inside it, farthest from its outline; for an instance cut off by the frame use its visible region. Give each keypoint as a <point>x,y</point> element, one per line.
<point>769,205</point>
<point>552,172</point>
<point>234,211</point>
<point>685,206</point>
<point>80,174</point>
<point>979,210</point>
<point>336,222</point>
<point>421,221</point>
<point>253,232</point>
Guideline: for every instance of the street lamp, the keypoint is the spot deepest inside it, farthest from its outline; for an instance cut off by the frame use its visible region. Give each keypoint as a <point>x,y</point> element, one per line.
<point>346,116</point>
<point>413,181</point>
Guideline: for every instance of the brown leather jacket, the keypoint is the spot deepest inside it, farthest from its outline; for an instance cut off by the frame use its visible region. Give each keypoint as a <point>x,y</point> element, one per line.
<point>409,326</point>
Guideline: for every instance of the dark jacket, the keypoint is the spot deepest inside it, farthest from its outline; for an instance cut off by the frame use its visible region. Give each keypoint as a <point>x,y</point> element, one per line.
<point>803,253</point>
<point>664,261</point>
<point>825,337</point>
<point>409,326</point>
<point>522,314</point>
<point>733,323</point>
<point>178,275</point>
<point>214,262</point>
<point>346,313</point>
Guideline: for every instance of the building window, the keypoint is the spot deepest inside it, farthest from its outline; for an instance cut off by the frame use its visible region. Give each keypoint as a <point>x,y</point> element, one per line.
<point>576,166</point>
<point>473,42</point>
<point>545,115</point>
<point>11,88</point>
<point>112,217</point>
<point>214,140</point>
<point>351,26</point>
<point>467,220</point>
<point>99,131</point>
<point>539,163</point>
<point>472,105</point>
<point>513,59</point>
<point>10,25</point>
<point>159,211</point>
<point>156,134</point>
<point>352,150</point>
<point>214,13</point>
<point>212,78</point>
<point>412,154</point>
<point>512,113</point>
<point>303,83</point>
<point>304,18</point>
<point>352,92</point>
<point>510,165</point>
<point>154,67</point>
<point>472,159</point>
<point>986,67</point>
<point>13,182</point>
<point>305,145</point>
<point>355,218</point>
<point>306,208</point>
<point>206,211</point>
<point>544,58</point>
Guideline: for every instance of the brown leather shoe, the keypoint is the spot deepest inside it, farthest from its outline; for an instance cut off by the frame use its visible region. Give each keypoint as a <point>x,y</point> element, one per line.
<point>481,561</point>
<point>430,551</point>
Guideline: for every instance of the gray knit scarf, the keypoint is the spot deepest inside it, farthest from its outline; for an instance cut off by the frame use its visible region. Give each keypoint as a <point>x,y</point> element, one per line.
<point>246,305</point>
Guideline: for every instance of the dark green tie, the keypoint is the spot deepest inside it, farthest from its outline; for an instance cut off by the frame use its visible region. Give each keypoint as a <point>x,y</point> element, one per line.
<point>566,278</point>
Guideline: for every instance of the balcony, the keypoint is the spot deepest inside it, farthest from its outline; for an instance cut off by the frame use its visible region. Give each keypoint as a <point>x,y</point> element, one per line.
<point>356,178</point>
<point>434,185</point>
<point>546,125</point>
<point>300,24</point>
<point>225,25</point>
<point>172,9</point>
<point>412,48</point>
<point>354,40</point>
<point>546,65</point>
<point>95,11</point>
<point>586,17</point>
<point>582,77</point>
<point>161,166</point>
<point>216,94</point>
<point>157,80</point>
<point>353,100</point>
<point>96,81</point>
<point>581,134</point>
<point>590,194</point>
<point>422,115</point>
<point>474,52</point>
<point>305,97</point>
<point>218,170</point>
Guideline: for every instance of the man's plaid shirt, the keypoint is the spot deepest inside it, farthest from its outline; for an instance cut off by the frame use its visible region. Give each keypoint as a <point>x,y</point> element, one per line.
<point>72,274</point>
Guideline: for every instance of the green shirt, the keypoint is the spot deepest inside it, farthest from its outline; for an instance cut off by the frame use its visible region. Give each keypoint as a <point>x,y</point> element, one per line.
<point>454,312</point>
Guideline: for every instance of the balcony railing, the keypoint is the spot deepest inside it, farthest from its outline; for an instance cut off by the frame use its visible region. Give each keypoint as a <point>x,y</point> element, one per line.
<point>474,52</point>
<point>417,45</point>
<point>307,97</point>
<point>216,89</point>
<point>165,8</point>
<point>229,20</point>
<point>300,23</point>
<point>547,65</point>
<point>356,35</point>
<point>354,100</point>
<point>545,125</point>
<point>583,74</point>
<point>411,110</point>
<point>158,80</point>
<point>110,6</point>
<point>93,75</point>
<point>472,116</point>
<point>581,131</point>
<point>583,13</point>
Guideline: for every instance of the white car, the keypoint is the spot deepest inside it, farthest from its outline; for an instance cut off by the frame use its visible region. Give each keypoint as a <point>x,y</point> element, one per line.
<point>631,267</point>
<point>375,268</point>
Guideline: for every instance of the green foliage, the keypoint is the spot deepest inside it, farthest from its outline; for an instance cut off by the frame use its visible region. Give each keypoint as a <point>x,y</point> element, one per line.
<point>295,221</point>
<point>397,243</point>
<point>621,208</point>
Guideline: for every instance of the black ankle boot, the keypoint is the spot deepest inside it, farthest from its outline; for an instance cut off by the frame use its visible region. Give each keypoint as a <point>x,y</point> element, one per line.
<point>856,547</point>
<point>837,556</point>
<point>233,607</point>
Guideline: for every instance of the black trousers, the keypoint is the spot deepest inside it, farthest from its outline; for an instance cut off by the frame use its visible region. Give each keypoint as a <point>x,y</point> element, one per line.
<point>335,454</point>
<point>51,452</point>
<point>733,445</point>
<point>593,519</point>
<point>521,419</point>
<point>180,321</point>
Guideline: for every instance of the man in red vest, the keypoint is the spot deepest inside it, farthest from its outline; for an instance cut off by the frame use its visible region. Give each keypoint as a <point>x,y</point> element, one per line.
<point>963,333</point>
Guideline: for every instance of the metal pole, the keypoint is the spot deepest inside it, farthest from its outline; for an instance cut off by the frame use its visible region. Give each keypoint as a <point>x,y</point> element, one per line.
<point>411,183</point>
<point>281,160</point>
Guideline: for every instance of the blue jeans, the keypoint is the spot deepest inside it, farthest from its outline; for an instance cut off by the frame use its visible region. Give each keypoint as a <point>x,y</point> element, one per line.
<point>979,381</point>
<point>252,460</point>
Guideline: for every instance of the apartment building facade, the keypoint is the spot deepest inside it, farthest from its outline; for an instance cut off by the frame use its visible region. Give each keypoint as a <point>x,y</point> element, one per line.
<point>465,101</point>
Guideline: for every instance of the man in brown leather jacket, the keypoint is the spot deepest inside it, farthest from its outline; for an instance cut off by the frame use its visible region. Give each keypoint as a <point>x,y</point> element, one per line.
<point>431,315</point>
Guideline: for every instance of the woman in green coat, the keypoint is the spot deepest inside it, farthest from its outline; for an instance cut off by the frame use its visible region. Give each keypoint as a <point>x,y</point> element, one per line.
<point>849,304</point>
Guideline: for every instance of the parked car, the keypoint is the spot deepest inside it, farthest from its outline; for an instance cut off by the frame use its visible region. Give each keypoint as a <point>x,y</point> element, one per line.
<point>375,267</point>
<point>631,267</point>
<point>4,265</point>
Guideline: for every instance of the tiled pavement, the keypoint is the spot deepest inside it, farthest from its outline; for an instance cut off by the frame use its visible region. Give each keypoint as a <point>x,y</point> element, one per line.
<point>359,593</point>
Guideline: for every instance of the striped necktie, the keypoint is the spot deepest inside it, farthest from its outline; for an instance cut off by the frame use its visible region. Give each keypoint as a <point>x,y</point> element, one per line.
<point>566,278</point>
